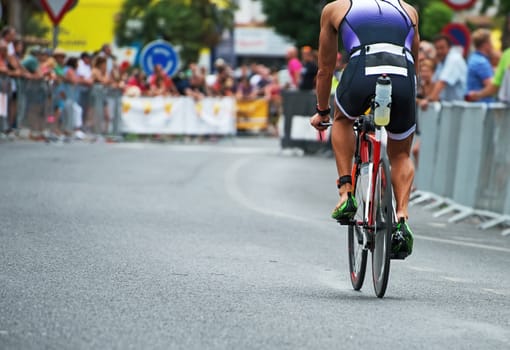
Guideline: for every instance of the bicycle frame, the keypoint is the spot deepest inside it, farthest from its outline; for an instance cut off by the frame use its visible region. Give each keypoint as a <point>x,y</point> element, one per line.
<point>368,150</point>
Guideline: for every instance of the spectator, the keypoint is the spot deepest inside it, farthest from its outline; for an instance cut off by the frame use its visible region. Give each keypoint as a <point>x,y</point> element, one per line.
<point>294,67</point>
<point>15,70</point>
<point>480,70</point>
<point>197,83</point>
<point>3,58</point>
<point>100,76</point>
<point>58,65</point>
<point>161,84</point>
<point>48,64</point>
<point>117,78</point>
<point>451,72</point>
<point>426,85</point>
<point>84,73</point>
<point>245,90</point>
<point>425,88</point>
<point>243,71</point>
<point>274,97</point>
<point>496,83</point>
<point>31,62</point>
<point>494,58</point>
<point>84,70</point>
<point>8,37</point>
<point>224,82</point>
<point>72,79</point>
<point>136,84</point>
<point>260,80</point>
<point>106,52</point>
<point>426,51</point>
<point>309,69</point>
<point>60,58</point>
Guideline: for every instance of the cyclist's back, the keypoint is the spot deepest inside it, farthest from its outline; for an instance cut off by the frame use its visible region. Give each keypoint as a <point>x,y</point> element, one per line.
<point>382,38</point>
<point>378,35</point>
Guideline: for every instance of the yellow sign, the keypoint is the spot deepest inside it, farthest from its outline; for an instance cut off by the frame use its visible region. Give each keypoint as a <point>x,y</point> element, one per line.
<point>252,115</point>
<point>88,26</point>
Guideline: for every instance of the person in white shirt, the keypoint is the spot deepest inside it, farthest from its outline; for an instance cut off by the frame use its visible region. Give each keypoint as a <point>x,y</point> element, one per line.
<point>84,72</point>
<point>84,68</point>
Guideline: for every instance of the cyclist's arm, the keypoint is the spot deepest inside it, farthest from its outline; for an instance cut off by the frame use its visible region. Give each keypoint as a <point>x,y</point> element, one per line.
<point>328,48</point>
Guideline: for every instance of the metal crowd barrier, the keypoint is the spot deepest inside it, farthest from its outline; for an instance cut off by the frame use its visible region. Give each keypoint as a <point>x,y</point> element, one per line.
<point>5,92</point>
<point>35,102</point>
<point>465,161</point>
<point>298,107</point>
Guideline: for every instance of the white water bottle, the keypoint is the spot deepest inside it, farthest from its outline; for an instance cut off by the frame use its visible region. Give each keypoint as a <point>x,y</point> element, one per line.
<point>382,101</point>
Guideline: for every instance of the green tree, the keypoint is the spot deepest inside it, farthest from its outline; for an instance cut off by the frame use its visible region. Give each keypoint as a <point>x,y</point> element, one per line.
<point>282,16</point>
<point>188,24</point>
<point>434,17</point>
<point>298,19</point>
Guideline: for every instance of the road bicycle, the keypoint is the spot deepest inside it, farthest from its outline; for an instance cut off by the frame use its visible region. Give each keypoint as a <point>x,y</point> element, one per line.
<point>373,226</point>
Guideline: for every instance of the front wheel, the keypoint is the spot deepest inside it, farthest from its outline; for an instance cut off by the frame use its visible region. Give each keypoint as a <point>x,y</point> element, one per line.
<point>383,211</point>
<point>357,250</point>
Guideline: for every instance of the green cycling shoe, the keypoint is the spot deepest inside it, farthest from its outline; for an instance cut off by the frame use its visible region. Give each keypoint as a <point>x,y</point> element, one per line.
<point>346,211</point>
<point>402,240</point>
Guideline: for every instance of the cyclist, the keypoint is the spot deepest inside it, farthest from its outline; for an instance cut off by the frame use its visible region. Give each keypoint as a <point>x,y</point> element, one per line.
<point>381,37</point>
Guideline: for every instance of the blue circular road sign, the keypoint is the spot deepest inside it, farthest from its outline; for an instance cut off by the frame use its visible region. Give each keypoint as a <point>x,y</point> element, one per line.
<point>159,52</point>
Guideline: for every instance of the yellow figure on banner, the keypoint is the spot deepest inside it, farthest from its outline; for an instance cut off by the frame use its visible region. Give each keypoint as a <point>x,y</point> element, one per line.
<point>216,109</point>
<point>168,108</point>
<point>147,108</point>
<point>126,106</point>
<point>198,108</point>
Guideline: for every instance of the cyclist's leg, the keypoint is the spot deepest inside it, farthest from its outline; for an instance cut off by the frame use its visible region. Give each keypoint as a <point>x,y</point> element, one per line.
<point>343,141</point>
<point>402,173</point>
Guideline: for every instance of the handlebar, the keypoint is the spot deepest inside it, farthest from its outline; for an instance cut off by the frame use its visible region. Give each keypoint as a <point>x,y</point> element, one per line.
<point>326,124</point>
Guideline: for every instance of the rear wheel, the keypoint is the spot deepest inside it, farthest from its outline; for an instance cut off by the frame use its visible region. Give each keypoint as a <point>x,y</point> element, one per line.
<point>383,211</point>
<point>357,250</point>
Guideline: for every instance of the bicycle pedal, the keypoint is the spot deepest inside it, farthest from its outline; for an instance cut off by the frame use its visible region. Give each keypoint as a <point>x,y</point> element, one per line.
<point>345,222</point>
<point>399,255</point>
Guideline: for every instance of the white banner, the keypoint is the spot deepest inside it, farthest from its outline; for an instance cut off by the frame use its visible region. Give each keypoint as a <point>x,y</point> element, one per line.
<point>178,115</point>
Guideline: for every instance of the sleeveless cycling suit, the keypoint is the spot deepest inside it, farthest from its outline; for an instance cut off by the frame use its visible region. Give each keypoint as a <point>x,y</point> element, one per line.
<point>378,35</point>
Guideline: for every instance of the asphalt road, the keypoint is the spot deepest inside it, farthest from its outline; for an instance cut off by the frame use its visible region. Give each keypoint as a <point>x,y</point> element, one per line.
<point>222,246</point>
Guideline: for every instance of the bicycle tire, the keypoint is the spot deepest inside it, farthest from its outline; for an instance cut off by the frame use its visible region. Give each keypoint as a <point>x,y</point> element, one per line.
<point>357,252</point>
<point>383,211</point>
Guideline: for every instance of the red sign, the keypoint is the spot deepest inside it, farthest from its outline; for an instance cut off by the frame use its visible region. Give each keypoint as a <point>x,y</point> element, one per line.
<point>56,9</point>
<point>460,4</point>
<point>459,34</point>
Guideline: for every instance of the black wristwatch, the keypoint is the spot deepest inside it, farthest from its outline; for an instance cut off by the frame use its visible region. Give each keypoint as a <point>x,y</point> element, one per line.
<point>324,112</point>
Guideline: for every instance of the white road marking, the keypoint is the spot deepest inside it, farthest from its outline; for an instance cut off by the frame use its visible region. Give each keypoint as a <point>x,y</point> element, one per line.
<point>235,192</point>
<point>456,279</point>
<point>463,244</point>
<point>420,269</point>
<point>497,291</point>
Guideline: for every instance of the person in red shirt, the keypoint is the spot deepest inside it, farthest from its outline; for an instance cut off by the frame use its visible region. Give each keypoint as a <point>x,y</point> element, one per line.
<point>161,84</point>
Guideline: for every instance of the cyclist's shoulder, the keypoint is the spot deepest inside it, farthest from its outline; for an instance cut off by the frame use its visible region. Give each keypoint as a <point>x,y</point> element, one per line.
<point>335,11</point>
<point>411,11</point>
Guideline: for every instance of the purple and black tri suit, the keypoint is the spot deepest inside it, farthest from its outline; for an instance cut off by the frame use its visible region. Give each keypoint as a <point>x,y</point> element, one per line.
<point>378,35</point>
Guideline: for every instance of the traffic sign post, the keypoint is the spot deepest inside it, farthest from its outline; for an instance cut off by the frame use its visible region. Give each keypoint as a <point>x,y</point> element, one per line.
<point>162,53</point>
<point>56,9</point>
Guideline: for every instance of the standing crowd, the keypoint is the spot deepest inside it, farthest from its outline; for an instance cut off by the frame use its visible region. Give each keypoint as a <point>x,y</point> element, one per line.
<point>67,78</point>
<point>447,73</point>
